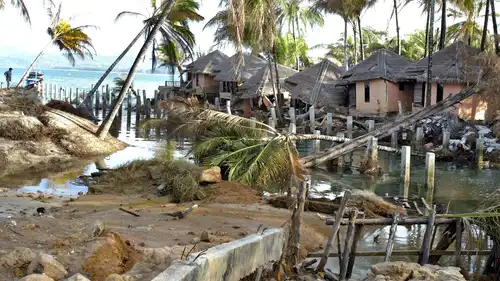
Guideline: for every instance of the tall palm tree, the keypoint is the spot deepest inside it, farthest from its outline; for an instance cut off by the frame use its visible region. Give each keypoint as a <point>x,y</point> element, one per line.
<point>294,15</point>
<point>485,26</point>
<point>442,35</point>
<point>395,12</point>
<point>467,28</point>
<point>428,93</point>
<point>359,6</point>
<point>159,21</point>
<point>287,50</point>
<point>174,29</point>
<point>71,41</point>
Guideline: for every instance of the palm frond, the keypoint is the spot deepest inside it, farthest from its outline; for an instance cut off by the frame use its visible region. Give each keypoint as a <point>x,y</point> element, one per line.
<point>128,13</point>
<point>23,9</point>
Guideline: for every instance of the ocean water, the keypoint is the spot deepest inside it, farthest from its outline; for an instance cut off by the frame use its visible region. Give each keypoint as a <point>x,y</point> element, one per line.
<point>84,79</point>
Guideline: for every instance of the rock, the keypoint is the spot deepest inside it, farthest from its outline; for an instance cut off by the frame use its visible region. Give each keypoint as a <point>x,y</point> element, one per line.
<point>47,264</point>
<point>37,277</point>
<point>211,175</point>
<point>77,277</point>
<point>402,271</point>
<point>156,256</point>
<point>450,273</point>
<point>94,229</point>
<point>115,277</point>
<point>399,271</point>
<point>18,259</point>
<point>205,236</point>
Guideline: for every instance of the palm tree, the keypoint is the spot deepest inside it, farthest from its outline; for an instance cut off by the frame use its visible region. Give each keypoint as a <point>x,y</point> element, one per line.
<point>159,20</point>
<point>19,4</point>
<point>467,28</point>
<point>359,6</point>
<point>291,13</point>
<point>485,26</point>
<point>442,35</point>
<point>288,49</point>
<point>428,94</point>
<point>72,41</point>
<point>395,12</point>
<point>174,29</point>
<point>171,56</point>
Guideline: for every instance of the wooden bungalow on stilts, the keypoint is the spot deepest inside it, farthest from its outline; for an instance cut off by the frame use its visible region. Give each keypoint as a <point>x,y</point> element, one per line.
<point>316,86</point>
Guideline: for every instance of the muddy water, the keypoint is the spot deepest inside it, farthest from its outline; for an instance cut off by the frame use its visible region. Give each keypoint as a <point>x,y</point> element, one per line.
<point>461,188</point>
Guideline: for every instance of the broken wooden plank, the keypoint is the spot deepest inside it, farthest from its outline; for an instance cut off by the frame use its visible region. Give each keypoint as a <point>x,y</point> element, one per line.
<point>129,212</point>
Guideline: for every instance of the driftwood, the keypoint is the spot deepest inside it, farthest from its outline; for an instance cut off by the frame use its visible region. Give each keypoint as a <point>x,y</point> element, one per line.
<point>386,130</point>
<point>129,212</point>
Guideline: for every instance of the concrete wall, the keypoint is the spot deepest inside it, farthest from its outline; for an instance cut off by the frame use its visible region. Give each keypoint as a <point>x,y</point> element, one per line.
<point>230,261</point>
<point>384,96</point>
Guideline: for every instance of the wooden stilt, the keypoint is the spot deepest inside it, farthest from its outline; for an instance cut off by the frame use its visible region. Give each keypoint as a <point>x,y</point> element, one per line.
<point>426,244</point>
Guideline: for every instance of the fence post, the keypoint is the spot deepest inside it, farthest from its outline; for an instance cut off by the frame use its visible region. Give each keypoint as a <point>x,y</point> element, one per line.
<point>291,112</point>
<point>96,100</point>
<point>419,137</point>
<point>271,122</point>
<point>317,143</point>
<point>157,104</point>
<point>273,115</point>
<point>371,125</point>
<point>394,140</point>
<point>228,107</point>
<point>400,108</point>
<point>446,139</point>
<point>138,107</point>
<point>480,152</point>
<point>77,93</point>
<point>253,124</point>
<point>217,103</point>
<point>312,118</point>
<point>1,85</point>
<point>405,169</point>
<point>329,123</point>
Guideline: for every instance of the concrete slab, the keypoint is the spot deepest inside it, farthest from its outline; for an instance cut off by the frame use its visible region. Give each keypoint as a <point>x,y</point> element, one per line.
<point>230,261</point>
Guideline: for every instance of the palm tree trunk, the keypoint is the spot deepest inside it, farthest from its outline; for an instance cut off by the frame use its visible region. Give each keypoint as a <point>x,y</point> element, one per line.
<point>495,27</point>
<point>279,103</point>
<point>428,93</point>
<point>346,59</point>
<point>426,52</point>
<point>111,67</point>
<point>361,47</point>
<point>103,130</point>
<point>485,26</point>
<point>396,16</point>
<point>355,47</point>
<point>35,61</point>
<point>442,35</point>
<point>295,47</point>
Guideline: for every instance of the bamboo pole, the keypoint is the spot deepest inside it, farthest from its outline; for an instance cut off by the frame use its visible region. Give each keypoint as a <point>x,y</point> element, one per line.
<point>348,244</point>
<point>426,244</point>
<point>333,232</point>
<point>392,235</point>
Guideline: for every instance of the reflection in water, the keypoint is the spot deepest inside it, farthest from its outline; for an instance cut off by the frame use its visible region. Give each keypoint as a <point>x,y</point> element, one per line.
<point>46,186</point>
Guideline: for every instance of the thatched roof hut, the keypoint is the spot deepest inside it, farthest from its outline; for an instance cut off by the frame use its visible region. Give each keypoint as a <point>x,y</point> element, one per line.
<point>382,64</point>
<point>448,64</point>
<point>251,65</point>
<point>301,84</point>
<point>211,63</point>
<point>261,84</point>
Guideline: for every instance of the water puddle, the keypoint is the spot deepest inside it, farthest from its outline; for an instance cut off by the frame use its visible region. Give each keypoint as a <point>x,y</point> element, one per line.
<point>50,187</point>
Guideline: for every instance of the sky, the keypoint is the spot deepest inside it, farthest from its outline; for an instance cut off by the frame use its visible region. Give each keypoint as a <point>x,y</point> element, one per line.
<point>112,37</point>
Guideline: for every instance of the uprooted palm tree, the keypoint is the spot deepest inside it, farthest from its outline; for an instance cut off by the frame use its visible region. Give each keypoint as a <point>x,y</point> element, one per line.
<point>72,41</point>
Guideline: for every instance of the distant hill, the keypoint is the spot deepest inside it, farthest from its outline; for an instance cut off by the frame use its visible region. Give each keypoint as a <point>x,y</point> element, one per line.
<point>56,61</point>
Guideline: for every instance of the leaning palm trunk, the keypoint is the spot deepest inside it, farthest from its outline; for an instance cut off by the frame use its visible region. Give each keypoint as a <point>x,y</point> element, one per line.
<point>428,93</point>
<point>361,48</point>
<point>442,35</point>
<point>339,150</point>
<point>396,16</point>
<point>35,61</point>
<point>485,26</point>
<point>106,124</point>
<point>111,67</point>
<point>346,60</point>
<point>495,27</point>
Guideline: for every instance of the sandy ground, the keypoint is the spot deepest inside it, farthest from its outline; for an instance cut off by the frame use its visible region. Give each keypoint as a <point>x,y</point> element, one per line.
<point>60,230</point>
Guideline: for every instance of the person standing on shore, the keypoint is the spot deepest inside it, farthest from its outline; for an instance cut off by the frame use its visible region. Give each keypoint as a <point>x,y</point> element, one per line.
<point>8,76</point>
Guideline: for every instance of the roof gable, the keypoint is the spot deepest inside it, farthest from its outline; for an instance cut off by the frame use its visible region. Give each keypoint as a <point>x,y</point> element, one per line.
<point>210,63</point>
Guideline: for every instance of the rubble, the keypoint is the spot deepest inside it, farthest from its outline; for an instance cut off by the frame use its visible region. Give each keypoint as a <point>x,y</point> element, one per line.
<point>48,265</point>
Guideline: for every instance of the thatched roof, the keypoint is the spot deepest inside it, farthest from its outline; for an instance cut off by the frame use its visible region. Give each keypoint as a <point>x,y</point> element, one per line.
<point>251,66</point>
<point>448,64</point>
<point>301,84</point>
<point>261,84</point>
<point>211,63</point>
<point>382,64</point>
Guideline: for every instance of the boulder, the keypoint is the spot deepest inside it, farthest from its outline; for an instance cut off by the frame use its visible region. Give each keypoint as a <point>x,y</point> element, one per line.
<point>450,273</point>
<point>205,236</point>
<point>94,229</point>
<point>398,271</point>
<point>47,264</point>
<point>212,175</point>
<point>116,277</point>
<point>403,271</point>
<point>37,277</point>
<point>18,259</point>
<point>77,277</point>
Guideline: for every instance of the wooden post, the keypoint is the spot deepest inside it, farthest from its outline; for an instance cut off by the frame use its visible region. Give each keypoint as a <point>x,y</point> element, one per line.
<point>405,169</point>
<point>419,138</point>
<point>373,144</point>
<point>392,235</point>
<point>293,250</point>
<point>273,115</point>
<point>97,102</point>
<point>400,108</point>
<point>217,103</point>
<point>77,94</point>
<point>458,242</point>
<point>71,96</point>
<point>480,152</point>
<point>312,118</point>
<point>358,231</point>
<point>446,140</point>
<point>57,93</point>
<point>271,122</point>
<point>426,244</point>
<point>157,105</point>
<point>348,244</point>
<point>394,140</point>
<point>291,112</point>
<point>317,143</point>
<point>120,112</point>
<point>292,129</point>
<point>49,91</point>
<point>430,159</point>
<point>129,104</point>
<point>329,123</point>
<point>148,108</point>
<point>371,125</point>
<point>138,108</point>
<point>333,232</point>
<point>349,127</point>
<point>228,107</point>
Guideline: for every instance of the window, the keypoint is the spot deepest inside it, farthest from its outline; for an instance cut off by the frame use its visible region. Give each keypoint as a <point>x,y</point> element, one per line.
<point>367,91</point>
<point>440,92</point>
<point>401,87</point>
